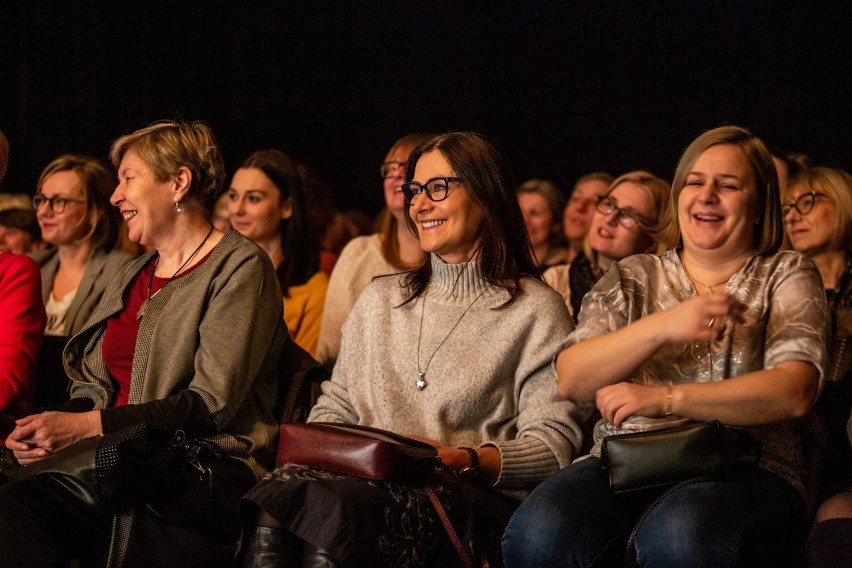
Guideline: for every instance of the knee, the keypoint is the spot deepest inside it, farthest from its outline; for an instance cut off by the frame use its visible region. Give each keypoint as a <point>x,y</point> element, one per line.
<point>837,507</point>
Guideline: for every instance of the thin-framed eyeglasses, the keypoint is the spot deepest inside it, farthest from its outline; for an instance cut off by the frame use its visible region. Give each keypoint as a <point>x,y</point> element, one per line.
<point>388,168</point>
<point>627,218</point>
<point>803,204</point>
<point>56,203</point>
<point>437,188</point>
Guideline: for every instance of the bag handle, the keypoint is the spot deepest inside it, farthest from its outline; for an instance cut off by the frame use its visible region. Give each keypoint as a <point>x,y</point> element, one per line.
<point>464,554</point>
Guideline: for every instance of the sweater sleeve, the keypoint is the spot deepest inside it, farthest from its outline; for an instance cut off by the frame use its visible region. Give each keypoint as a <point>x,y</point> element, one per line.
<point>183,411</point>
<point>22,322</point>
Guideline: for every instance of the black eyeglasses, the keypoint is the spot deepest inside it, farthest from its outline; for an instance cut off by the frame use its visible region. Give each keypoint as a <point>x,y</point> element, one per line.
<point>804,204</point>
<point>436,188</point>
<point>625,217</point>
<point>389,168</point>
<point>56,203</point>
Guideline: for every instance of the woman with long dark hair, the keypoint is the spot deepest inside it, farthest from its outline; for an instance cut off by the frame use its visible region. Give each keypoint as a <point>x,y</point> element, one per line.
<point>456,352</point>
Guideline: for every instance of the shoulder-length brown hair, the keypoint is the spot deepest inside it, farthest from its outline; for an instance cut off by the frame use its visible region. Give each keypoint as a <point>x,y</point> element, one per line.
<point>769,227</point>
<point>97,183</point>
<point>505,254</point>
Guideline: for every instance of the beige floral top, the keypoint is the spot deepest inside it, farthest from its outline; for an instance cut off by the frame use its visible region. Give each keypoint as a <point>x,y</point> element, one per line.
<point>786,318</point>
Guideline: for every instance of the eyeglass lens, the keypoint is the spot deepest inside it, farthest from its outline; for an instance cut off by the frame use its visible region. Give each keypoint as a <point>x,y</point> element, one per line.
<point>389,168</point>
<point>803,204</point>
<point>625,217</point>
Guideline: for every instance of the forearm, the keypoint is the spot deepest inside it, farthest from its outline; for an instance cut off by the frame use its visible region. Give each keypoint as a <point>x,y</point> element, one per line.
<point>585,367</point>
<point>183,411</point>
<point>761,397</point>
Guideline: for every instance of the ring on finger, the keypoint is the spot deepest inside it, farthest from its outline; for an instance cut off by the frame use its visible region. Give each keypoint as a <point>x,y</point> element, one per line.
<point>711,322</point>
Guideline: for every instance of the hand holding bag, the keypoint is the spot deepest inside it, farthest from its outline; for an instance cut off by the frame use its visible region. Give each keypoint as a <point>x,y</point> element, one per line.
<point>661,458</point>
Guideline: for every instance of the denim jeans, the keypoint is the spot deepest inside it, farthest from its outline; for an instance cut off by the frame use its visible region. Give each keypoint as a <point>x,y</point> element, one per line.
<point>572,519</point>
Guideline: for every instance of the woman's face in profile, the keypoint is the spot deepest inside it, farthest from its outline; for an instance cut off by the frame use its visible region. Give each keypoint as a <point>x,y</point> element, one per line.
<point>392,183</point>
<point>717,206</point>
<point>255,207</point>
<point>813,232</point>
<point>609,237</point>
<point>449,228</point>
<point>538,218</point>
<point>73,223</point>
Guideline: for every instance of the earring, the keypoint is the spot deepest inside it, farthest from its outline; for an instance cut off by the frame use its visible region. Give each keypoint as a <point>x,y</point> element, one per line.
<point>177,207</point>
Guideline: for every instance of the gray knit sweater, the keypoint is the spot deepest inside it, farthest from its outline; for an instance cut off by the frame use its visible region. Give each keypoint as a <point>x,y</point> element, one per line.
<point>490,382</point>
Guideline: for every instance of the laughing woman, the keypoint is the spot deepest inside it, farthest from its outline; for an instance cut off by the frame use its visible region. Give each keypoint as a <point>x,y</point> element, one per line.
<point>720,327</point>
<point>266,203</point>
<point>185,338</point>
<point>457,352</point>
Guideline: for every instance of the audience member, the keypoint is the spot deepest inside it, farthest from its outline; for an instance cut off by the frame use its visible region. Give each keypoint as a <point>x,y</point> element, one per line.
<point>185,338</point>
<point>475,381</point>
<point>817,208</point>
<point>19,232</point>
<point>542,204</point>
<point>15,201</point>
<point>578,211</point>
<point>267,205</point>
<point>21,329</point>
<point>724,327</point>
<point>393,249</point>
<point>621,225</point>
<point>76,218</point>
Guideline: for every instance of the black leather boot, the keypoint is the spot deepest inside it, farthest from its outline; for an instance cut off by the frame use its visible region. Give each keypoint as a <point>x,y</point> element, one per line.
<point>272,548</point>
<point>315,557</point>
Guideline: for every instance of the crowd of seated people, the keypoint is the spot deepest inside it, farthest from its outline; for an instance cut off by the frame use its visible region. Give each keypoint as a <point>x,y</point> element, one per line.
<point>510,327</point>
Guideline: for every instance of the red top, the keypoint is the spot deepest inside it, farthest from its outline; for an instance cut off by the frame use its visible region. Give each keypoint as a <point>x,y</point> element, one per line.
<point>120,337</point>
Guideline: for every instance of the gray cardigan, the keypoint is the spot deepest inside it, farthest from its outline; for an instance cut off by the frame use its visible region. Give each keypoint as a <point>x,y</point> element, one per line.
<point>218,332</point>
<point>101,268</point>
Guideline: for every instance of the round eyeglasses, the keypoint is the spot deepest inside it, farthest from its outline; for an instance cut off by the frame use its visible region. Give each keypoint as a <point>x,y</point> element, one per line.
<point>388,168</point>
<point>627,218</point>
<point>803,204</point>
<point>436,188</point>
<point>57,203</point>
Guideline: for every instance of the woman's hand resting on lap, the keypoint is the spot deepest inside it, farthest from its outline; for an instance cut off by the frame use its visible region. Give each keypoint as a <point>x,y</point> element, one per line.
<point>39,435</point>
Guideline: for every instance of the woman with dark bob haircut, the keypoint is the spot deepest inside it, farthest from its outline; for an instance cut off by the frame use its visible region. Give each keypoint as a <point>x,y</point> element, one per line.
<point>722,326</point>
<point>188,338</point>
<point>456,352</point>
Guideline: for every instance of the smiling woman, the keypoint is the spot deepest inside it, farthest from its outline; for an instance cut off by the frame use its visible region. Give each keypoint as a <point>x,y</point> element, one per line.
<point>266,203</point>
<point>456,352</point>
<point>721,327</point>
<point>186,338</point>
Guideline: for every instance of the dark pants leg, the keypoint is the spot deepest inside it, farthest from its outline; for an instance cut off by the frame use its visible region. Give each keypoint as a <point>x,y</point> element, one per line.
<point>43,524</point>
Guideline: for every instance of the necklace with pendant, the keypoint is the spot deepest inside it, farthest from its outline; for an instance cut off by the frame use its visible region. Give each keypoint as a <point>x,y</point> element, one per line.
<point>421,373</point>
<point>141,313</point>
<point>708,286</point>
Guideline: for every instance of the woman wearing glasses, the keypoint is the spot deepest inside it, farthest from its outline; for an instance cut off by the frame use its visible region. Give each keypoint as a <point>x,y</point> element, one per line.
<point>619,228</point>
<point>720,327</point>
<point>76,218</point>
<point>817,208</point>
<point>393,249</point>
<point>456,351</point>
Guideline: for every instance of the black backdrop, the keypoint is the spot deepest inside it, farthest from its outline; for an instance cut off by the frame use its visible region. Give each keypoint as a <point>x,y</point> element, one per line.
<point>561,87</point>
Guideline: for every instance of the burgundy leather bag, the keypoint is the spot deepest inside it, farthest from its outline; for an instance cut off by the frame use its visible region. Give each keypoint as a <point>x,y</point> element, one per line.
<point>356,450</point>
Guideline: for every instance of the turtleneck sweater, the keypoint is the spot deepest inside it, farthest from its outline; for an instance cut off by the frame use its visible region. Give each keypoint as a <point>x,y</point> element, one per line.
<point>487,367</point>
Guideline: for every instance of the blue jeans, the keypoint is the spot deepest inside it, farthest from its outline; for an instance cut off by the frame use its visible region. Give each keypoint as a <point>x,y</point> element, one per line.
<point>572,519</point>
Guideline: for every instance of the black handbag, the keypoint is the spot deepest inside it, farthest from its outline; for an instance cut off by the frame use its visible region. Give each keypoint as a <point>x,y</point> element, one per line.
<point>662,458</point>
<point>141,464</point>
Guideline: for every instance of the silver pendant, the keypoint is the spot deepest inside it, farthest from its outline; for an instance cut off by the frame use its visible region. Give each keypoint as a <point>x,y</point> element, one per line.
<point>420,384</point>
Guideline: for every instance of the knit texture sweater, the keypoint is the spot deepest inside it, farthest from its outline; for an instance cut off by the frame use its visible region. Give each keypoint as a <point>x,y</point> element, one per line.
<point>488,370</point>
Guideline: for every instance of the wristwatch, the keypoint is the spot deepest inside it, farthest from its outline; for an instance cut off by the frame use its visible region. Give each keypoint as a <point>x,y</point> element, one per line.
<point>470,472</point>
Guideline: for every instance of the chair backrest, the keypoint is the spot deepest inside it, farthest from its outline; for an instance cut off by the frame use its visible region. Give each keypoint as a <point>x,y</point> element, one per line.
<point>299,380</point>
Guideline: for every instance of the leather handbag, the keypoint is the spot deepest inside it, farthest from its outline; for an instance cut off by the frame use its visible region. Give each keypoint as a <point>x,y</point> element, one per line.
<point>661,458</point>
<point>371,453</point>
<point>360,451</point>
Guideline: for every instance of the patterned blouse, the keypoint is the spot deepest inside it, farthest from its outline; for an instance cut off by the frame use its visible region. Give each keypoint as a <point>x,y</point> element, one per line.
<point>786,319</point>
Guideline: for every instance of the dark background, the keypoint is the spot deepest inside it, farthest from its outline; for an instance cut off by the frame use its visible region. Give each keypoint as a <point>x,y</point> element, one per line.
<point>562,88</point>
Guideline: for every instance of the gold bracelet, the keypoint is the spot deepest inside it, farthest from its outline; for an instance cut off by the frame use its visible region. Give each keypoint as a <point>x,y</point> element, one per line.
<point>669,400</point>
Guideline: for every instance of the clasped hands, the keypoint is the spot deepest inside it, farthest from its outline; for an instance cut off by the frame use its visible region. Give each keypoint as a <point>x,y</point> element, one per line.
<point>38,435</point>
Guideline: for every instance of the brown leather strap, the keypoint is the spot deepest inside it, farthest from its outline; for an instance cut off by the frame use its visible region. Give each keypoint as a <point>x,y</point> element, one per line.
<point>464,555</point>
